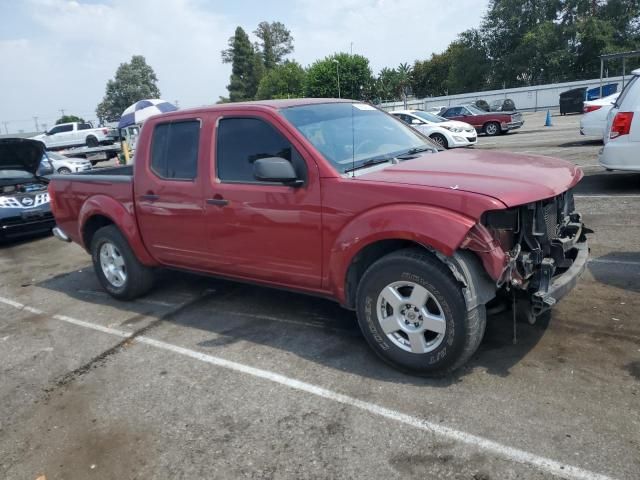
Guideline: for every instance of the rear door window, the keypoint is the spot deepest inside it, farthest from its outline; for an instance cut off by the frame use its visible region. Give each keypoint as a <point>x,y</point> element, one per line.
<point>174,150</point>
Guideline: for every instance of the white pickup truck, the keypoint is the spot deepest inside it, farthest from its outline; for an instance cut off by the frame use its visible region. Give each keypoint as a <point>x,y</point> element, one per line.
<point>73,134</point>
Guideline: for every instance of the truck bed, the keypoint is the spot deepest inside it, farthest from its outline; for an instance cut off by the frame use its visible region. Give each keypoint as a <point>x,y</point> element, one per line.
<point>106,187</point>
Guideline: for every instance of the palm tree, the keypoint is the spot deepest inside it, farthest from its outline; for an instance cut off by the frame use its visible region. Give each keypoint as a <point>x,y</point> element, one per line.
<point>404,80</point>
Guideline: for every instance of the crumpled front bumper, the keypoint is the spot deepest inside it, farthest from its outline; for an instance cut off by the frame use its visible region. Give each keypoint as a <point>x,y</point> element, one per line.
<point>562,284</point>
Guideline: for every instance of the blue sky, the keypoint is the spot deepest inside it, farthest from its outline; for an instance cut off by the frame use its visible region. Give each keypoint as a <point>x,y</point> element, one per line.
<point>59,54</point>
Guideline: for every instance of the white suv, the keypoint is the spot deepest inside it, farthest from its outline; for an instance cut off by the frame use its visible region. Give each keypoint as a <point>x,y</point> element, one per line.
<point>622,142</point>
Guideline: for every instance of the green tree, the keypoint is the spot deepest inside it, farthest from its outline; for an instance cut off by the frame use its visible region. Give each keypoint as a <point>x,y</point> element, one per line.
<point>387,85</point>
<point>356,79</point>
<point>430,76</point>
<point>282,81</point>
<point>405,72</point>
<point>246,67</point>
<point>275,42</point>
<point>69,119</point>
<point>133,81</point>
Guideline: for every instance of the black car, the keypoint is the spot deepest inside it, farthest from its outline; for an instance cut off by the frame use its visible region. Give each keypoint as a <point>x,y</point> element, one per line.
<point>24,200</point>
<point>482,105</point>
<point>503,105</point>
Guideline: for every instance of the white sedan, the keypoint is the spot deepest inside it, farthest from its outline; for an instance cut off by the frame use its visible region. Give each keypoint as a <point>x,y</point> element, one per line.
<point>446,133</point>
<point>594,120</point>
<point>65,165</point>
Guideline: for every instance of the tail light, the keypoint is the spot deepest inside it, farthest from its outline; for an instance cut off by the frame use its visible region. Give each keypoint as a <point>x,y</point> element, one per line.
<point>621,124</point>
<point>591,108</point>
<point>105,130</point>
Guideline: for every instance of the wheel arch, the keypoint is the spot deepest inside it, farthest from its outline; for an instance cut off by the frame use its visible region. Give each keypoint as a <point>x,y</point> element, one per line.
<point>100,211</point>
<point>380,231</point>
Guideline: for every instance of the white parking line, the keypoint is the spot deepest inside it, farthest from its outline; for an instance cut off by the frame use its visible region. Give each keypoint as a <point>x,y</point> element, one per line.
<point>509,453</point>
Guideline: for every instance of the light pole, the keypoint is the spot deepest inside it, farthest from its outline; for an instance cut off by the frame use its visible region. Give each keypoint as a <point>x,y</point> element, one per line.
<point>338,74</point>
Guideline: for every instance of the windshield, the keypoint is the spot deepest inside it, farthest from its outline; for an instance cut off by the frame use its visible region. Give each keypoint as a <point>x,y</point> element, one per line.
<point>350,134</point>
<point>475,110</point>
<point>429,117</point>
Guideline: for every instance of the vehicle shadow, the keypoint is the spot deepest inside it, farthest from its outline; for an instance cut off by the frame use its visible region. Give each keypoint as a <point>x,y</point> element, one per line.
<point>617,269</point>
<point>604,182</point>
<point>311,328</point>
<point>581,143</point>
<point>14,242</point>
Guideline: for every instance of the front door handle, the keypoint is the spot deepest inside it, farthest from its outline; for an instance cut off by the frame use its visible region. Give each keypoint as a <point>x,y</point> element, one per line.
<point>220,202</point>
<point>151,197</point>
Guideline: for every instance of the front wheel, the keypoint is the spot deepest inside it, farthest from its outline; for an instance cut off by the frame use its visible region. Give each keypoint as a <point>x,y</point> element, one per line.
<point>492,128</point>
<point>117,268</point>
<point>440,140</point>
<point>64,171</point>
<point>413,314</point>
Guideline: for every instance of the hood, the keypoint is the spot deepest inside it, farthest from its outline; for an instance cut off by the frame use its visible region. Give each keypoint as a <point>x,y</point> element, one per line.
<point>455,123</point>
<point>21,154</point>
<point>512,178</point>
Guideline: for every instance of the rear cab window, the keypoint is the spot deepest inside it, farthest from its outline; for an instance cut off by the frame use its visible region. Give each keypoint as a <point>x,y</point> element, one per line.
<point>174,150</point>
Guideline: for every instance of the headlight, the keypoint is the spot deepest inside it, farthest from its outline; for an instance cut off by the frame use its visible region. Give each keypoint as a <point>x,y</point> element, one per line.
<point>454,129</point>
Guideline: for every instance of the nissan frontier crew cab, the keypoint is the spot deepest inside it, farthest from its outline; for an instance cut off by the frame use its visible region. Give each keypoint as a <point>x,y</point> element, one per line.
<point>338,199</point>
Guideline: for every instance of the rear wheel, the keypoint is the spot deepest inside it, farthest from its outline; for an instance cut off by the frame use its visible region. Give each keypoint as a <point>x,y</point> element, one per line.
<point>413,314</point>
<point>92,141</point>
<point>117,268</point>
<point>440,140</point>
<point>491,128</point>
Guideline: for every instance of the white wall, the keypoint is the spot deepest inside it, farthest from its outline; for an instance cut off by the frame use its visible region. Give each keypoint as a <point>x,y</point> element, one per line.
<point>539,97</point>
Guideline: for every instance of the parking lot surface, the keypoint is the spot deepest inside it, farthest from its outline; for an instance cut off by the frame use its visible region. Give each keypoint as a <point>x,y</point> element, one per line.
<point>206,378</point>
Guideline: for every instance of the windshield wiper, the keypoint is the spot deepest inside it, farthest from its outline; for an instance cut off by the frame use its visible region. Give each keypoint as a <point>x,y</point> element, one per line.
<point>413,151</point>
<point>369,163</point>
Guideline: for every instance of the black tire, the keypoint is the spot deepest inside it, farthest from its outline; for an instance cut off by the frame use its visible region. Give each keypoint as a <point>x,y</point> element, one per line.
<point>139,278</point>
<point>94,163</point>
<point>464,330</point>
<point>491,129</point>
<point>64,171</point>
<point>92,141</point>
<point>440,140</point>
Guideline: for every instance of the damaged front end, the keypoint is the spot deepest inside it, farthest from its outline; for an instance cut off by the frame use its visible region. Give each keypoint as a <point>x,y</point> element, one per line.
<point>537,251</point>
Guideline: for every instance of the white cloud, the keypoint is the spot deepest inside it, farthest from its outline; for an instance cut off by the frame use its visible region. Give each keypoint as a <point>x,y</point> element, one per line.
<point>77,46</point>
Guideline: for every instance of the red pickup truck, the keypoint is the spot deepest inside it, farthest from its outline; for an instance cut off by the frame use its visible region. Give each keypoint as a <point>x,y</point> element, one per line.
<point>489,123</point>
<point>338,199</point>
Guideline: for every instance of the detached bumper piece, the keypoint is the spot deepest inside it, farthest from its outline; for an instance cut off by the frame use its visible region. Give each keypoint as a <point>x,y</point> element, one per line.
<point>552,289</point>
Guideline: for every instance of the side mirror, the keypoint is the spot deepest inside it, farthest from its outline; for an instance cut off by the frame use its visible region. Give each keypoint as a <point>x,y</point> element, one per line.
<point>276,169</point>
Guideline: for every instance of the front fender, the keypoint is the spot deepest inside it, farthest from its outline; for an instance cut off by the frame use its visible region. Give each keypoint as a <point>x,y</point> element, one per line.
<point>437,228</point>
<point>122,216</point>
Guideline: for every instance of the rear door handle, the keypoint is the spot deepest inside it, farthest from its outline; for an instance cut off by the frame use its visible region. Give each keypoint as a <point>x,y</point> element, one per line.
<point>221,202</point>
<point>151,197</point>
